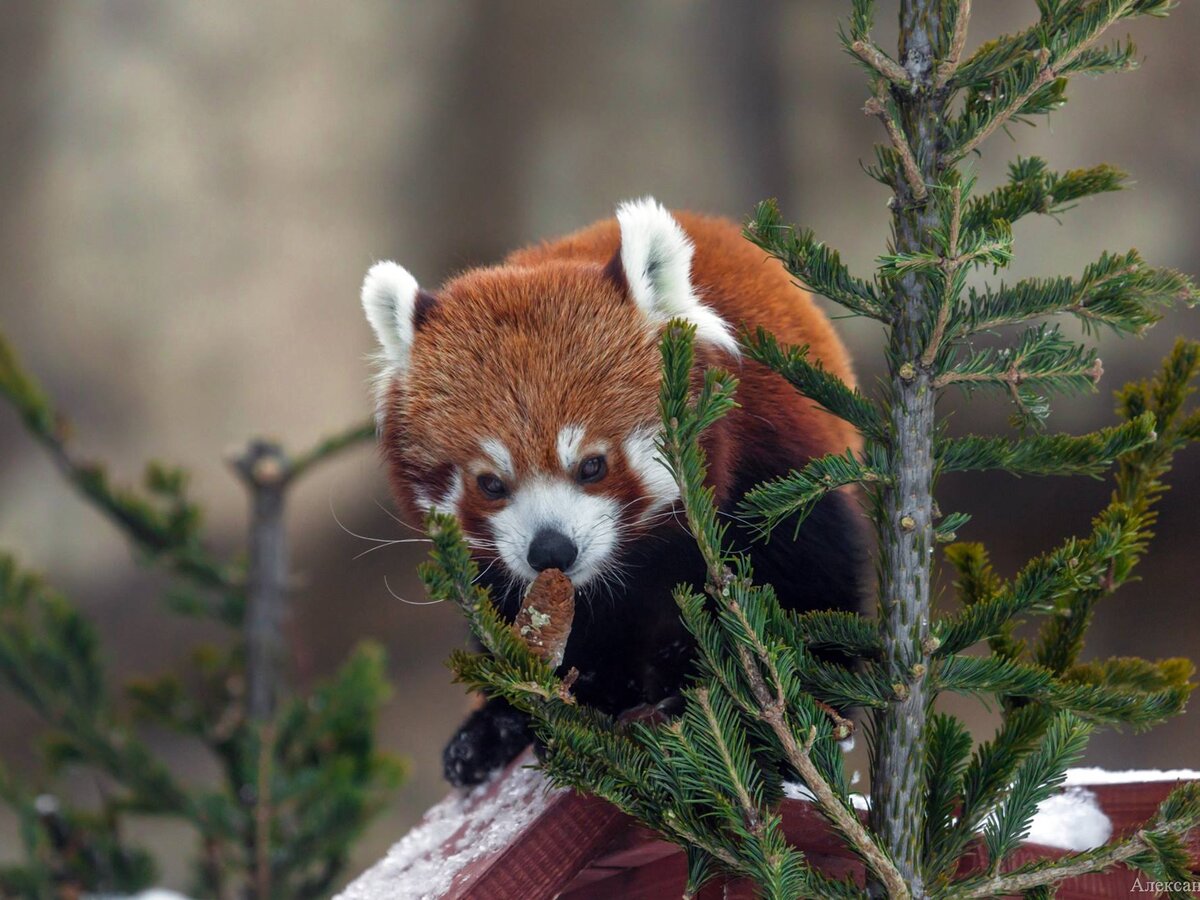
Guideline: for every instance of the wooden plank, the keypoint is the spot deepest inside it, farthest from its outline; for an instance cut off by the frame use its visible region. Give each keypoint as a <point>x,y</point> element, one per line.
<point>638,865</point>
<point>515,839</point>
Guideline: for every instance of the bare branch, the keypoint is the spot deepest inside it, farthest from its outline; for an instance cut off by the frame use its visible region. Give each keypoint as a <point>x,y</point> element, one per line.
<point>876,106</point>
<point>947,66</point>
<point>1012,883</point>
<point>950,266</point>
<point>868,52</point>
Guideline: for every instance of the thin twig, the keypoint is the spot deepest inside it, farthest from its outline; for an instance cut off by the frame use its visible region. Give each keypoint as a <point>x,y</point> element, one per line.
<point>950,266</point>
<point>868,52</point>
<point>947,67</point>
<point>877,106</point>
<point>329,447</point>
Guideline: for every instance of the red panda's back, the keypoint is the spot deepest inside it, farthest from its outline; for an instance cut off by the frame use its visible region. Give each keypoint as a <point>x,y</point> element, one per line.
<point>748,289</point>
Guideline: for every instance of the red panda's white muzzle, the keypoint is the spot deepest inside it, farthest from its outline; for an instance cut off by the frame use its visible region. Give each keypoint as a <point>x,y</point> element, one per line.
<point>588,524</point>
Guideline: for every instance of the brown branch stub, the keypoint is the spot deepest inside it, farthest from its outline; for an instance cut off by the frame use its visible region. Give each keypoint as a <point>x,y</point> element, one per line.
<point>868,52</point>
<point>877,107</point>
<point>843,728</point>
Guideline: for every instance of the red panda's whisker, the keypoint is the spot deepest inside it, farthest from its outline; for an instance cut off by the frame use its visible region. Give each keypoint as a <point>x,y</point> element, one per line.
<point>395,518</point>
<point>408,602</point>
<point>381,544</point>
<point>355,534</point>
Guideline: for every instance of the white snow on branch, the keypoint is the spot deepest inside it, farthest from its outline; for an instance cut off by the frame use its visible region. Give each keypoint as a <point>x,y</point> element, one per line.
<point>1072,820</point>
<point>1102,776</point>
<point>458,831</point>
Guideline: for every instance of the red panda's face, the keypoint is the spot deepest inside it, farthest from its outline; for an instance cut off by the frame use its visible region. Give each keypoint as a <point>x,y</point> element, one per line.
<point>530,410</point>
<point>525,402</point>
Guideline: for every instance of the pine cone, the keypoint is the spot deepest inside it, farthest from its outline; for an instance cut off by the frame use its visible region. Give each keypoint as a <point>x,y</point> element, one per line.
<point>544,622</point>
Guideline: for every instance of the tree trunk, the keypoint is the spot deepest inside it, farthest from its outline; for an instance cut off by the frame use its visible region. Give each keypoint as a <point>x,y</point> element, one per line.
<point>906,529</point>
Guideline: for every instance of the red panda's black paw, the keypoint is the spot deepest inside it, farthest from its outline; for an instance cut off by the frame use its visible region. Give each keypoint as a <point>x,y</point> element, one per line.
<point>491,737</point>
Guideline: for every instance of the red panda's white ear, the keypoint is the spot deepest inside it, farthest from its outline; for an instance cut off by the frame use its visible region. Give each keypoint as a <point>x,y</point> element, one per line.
<point>656,259</point>
<point>389,298</point>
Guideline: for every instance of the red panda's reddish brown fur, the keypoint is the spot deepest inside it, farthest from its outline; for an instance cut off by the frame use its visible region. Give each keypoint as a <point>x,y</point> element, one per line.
<point>748,289</point>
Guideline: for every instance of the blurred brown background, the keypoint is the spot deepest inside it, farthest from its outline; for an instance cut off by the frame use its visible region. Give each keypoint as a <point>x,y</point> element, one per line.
<point>192,191</point>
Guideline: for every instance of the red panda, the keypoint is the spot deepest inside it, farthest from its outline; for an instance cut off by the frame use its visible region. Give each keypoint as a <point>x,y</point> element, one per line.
<point>523,399</point>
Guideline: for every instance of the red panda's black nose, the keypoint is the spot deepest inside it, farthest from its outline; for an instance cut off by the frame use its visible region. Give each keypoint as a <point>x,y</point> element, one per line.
<point>551,549</point>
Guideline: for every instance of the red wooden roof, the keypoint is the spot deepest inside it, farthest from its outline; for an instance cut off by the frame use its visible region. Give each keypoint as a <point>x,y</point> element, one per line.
<point>516,839</point>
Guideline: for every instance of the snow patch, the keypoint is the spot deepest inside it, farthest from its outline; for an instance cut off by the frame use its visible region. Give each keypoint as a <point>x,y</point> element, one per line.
<point>1102,776</point>
<point>794,790</point>
<point>458,831</point>
<point>1071,820</point>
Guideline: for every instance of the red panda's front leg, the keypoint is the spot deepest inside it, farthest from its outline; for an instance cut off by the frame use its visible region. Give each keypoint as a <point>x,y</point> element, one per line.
<point>488,740</point>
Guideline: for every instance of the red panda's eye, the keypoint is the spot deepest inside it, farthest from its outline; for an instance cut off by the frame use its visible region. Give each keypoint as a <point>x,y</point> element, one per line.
<point>492,487</point>
<point>592,469</point>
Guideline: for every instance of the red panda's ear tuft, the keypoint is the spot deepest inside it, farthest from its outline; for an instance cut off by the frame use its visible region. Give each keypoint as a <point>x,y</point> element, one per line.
<point>656,268</point>
<point>396,307</point>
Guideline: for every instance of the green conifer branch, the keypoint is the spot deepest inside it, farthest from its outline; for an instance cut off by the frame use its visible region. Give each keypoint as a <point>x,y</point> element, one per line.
<point>978,583</point>
<point>796,495</point>
<point>1154,849</point>
<point>167,532</point>
<point>1035,779</point>
<point>984,780</point>
<point>946,757</point>
<point>833,630</point>
<point>49,656</point>
<point>1046,454</point>
<point>1032,188</point>
<point>1077,564</point>
<point>1026,71</point>
<point>1118,291</point>
<point>811,262</point>
<point>1100,703</point>
<point>814,381</point>
<point>1139,484</point>
<point>1042,356</point>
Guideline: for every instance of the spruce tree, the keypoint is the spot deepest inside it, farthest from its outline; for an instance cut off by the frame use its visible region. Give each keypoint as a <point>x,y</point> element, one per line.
<point>300,774</point>
<point>763,700</point>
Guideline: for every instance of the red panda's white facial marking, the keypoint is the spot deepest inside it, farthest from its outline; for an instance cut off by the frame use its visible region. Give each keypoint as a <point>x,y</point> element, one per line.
<point>426,499</point>
<point>498,457</point>
<point>569,439</point>
<point>589,523</point>
<point>641,451</point>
